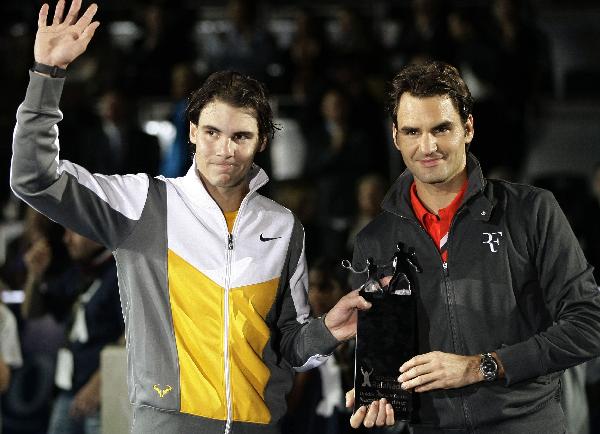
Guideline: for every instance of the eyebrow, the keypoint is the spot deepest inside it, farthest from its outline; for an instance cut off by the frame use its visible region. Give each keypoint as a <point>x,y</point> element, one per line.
<point>445,124</point>
<point>210,127</point>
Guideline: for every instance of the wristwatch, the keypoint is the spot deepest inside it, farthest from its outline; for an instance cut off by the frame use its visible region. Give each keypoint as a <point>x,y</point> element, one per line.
<point>488,367</point>
<point>52,71</point>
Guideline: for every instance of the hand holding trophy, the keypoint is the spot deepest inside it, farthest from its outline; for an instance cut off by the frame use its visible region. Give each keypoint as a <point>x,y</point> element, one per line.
<point>386,333</point>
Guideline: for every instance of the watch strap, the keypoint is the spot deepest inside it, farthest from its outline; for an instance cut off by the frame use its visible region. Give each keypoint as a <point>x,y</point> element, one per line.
<point>52,71</point>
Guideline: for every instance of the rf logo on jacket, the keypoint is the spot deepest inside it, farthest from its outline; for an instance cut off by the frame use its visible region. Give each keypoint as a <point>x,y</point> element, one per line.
<point>492,239</point>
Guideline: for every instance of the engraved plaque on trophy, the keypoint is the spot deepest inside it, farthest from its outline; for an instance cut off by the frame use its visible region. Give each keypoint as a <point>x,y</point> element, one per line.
<point>386,334</point>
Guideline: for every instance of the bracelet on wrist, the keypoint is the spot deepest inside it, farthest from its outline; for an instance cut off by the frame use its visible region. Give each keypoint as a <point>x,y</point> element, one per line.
<point>52,71</point>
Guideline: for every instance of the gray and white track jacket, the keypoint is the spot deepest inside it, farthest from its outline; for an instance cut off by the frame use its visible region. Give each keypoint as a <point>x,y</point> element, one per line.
<point>214,322</point>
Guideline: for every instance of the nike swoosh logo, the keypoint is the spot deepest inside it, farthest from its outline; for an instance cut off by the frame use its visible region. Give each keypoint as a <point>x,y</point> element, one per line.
<point>267,239</point>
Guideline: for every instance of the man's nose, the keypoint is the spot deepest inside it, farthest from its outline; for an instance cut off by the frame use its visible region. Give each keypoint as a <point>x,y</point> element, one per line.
<point>226,147</point>
<point>427,145</point>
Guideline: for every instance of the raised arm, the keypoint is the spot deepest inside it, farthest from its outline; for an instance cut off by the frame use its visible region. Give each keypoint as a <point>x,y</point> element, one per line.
<point>102,208</point>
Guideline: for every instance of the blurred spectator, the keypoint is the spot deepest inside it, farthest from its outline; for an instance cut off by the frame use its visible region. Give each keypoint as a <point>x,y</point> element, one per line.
<point>36,226</point>
<point>592,247</point>
<point>130,150</point>
<point>10,348</point>
<point>523,71</point>
<point>165,41</point>
<point>86,299</point>
<point>593,393</point>
<point>300,198</point>
<point>424,33</point>
<point>574,400</point>
<point>246,47</point>
<point>596,183</point>
<point>353,39</point>
<point>473,52</point>
<point>339,152</point>
<point>110,139</point>
<point>370,192</point>
<point>176,160</point>
<point>306,58</point>
<point>316,402</point>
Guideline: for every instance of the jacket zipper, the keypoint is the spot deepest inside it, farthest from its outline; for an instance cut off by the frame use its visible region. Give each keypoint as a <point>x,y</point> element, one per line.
<point>226,332</point>
<point>227,367</point>
<point>466,411</point>
<point>446,275</point>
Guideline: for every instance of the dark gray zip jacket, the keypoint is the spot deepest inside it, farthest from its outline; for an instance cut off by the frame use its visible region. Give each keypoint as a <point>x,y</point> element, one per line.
<point>516,282</point>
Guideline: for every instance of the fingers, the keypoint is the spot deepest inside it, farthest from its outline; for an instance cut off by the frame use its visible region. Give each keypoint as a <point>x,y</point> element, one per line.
<point>420,383</point>
<point>73,12</point>
<point>357,418</point>
<point>413,372</point>
<point>350,398</point>
<point>421,359</point>
<point>381,414</point>
<point>89,31</point>
<point>354,300</point>
<point>385,281</point>
<point>389,415</point>
<point>85,20</point>
<point>371,416</point>
<point>58,12</point>
<point>43,16</point>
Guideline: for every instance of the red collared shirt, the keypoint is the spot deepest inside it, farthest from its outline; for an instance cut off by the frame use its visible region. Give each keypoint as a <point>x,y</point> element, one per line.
<point>437,227</point>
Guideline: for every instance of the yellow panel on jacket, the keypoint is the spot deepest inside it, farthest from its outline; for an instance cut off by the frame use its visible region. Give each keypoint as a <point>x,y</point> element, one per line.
<point>197,308</point>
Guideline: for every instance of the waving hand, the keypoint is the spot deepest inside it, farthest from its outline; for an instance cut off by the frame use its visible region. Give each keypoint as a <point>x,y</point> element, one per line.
<point>61,42</point>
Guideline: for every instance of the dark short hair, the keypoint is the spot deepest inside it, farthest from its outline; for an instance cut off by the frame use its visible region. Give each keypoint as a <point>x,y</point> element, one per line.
<point>431,79</point>
<point>239,91</point>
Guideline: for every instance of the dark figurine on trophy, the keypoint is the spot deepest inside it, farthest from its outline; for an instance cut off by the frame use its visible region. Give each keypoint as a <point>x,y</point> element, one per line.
<point>386,333</point>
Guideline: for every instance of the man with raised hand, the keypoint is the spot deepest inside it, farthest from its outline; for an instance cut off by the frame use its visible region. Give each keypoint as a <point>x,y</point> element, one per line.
<point>212,275</point>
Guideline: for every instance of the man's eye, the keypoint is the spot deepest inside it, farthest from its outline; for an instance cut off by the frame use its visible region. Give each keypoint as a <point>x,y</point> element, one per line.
<point>240,137</point>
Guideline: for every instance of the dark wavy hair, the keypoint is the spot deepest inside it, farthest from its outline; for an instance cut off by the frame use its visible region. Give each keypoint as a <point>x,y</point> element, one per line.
<point>431,79</point>
<point>237,90</point>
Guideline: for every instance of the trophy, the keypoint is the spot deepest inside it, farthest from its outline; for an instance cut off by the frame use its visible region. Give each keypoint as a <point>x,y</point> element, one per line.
<point>386,333</point>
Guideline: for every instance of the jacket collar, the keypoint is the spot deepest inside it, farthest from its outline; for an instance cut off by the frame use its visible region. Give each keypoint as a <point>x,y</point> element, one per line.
<point>397,199</point>
<point>194,189</point>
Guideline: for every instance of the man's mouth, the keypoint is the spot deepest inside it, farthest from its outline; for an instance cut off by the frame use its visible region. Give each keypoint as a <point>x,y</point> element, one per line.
<point>430,162</point>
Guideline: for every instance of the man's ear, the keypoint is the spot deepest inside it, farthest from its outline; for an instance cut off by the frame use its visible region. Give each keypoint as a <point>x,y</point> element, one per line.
<point>263,145</point>
<point>469,129</point>
<point>193,132</point>
<point>394,137</point>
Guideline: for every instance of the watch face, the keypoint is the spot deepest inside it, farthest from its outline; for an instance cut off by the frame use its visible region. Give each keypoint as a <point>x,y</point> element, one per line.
<point>488,367</point>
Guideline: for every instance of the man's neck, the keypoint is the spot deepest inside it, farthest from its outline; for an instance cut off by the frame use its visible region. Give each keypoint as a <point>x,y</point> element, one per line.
<point>438,196</point>
<point>227,198</point>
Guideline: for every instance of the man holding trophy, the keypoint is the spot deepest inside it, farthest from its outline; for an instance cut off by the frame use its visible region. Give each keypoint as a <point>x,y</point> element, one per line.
<point>503,298</point>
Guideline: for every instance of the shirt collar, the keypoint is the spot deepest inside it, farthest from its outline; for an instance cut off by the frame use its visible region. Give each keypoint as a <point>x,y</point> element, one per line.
<point>421,212</point>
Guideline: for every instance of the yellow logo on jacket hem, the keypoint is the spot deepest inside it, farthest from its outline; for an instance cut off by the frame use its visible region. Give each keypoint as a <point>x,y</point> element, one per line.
<point>162,392</point>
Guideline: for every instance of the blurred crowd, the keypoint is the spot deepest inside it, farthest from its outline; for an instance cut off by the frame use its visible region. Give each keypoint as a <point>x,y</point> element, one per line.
<point>327,69</point>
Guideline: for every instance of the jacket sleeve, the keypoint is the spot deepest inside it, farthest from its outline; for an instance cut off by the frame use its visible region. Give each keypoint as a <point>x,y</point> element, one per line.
<point>305,342</point>
<point>570,294</point>
<point>102,208</point>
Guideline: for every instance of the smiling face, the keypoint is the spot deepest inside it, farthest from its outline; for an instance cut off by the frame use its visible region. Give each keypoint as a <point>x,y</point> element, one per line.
<point>226,140</point>
<point>431,138</point>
